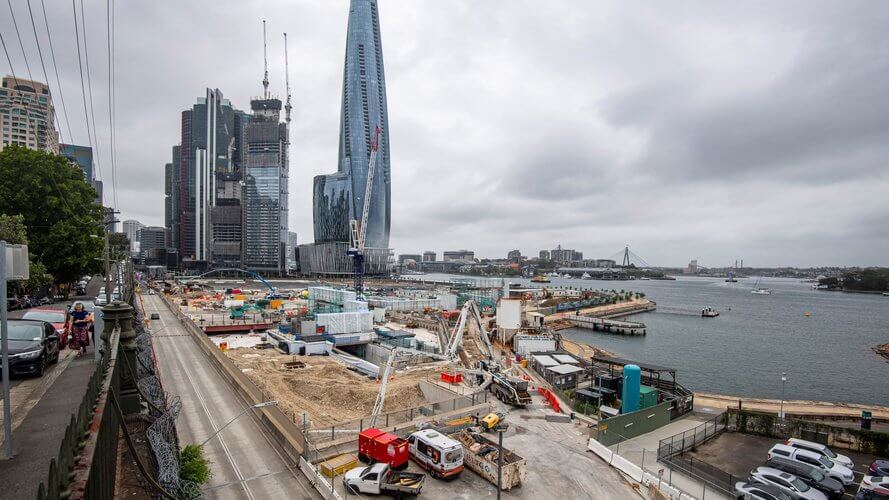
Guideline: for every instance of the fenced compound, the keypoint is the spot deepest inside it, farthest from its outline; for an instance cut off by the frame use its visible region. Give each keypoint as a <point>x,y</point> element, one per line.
<point>672,452</point>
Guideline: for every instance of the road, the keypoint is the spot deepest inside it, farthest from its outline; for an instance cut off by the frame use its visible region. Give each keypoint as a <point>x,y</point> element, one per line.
<point>245,463</point>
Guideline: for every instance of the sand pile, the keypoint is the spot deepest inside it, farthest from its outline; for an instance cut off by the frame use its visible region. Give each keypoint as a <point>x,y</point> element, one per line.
<point>325,388</point>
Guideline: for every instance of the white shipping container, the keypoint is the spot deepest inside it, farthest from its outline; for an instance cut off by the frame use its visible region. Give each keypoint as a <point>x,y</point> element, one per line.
<point>526,344</point>
<point>346,322</point>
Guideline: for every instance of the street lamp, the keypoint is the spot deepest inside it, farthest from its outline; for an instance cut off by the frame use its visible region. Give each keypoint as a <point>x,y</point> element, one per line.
<point>257,405</point>
<point>500,428</point>
<point>783,381</point>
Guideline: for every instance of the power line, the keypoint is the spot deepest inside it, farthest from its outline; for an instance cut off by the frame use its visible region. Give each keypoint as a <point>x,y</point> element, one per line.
<point>89,83</point>
<point>89,137</point>
<point>58,80</point>
<point>42,65</point>
<point>109,20</point>
<point>28,66</point>
<point>7,56</point>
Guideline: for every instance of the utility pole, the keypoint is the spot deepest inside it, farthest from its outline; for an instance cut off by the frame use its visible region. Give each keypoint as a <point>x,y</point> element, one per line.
<point>109,217</point>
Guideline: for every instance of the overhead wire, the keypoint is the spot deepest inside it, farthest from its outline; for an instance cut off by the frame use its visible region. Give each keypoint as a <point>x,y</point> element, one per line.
<point>111,108</point>
<point>89,83</point>
<point>19,36</point>
<point>45,75</point>
<point>11,69</point>
<point>56,68</point>
<point>83,86</point>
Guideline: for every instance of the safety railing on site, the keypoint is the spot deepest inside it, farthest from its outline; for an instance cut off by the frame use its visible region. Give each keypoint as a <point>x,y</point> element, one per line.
<point>318,435</point>
<point>673,452</point>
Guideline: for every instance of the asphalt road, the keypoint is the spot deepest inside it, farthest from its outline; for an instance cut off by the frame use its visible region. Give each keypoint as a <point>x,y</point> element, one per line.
<point>245,463</point>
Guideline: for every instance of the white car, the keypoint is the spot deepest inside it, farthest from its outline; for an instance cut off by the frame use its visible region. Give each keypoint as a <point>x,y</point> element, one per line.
<point>821,449</point>
<point>785,482</point>
<point>874,482</point>
<point>830,469</point>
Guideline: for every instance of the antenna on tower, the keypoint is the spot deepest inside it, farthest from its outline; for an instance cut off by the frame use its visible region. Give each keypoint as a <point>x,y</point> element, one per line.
<point>265,65</point>
<point>286,81</point>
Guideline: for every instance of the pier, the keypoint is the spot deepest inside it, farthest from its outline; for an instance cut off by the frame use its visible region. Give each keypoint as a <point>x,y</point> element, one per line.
<point>608,325</point>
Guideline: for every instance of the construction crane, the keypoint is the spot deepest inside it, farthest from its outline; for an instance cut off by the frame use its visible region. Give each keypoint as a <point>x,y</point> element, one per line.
<point>469,310</point>
<point>384,381</point>
<point>358,228</point>
<point>265,65</point>
<point>287,107</point>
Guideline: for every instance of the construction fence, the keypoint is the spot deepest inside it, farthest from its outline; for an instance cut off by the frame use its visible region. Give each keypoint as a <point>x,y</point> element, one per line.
<point>672,452</point>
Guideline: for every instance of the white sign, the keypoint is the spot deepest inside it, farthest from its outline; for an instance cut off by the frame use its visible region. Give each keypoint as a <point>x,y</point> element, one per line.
<point>16,262</point>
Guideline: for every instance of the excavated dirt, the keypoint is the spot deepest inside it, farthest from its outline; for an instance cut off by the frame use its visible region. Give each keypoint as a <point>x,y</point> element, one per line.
<point>325,388</point>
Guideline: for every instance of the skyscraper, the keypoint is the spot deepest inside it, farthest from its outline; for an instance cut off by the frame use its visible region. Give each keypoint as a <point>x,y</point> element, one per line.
<point>27,116</point>
<point>338,197</point>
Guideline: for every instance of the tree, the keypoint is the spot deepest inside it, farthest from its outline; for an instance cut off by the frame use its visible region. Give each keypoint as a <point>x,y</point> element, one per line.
<point>119,246</point>
<point>12,230</point>
<point>57,207</point>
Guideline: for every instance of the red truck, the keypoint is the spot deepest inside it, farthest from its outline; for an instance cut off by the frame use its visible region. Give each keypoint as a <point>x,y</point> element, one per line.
<point>375,445</point>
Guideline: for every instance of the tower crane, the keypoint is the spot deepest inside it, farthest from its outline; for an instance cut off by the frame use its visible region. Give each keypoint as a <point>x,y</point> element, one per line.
<point>358,228</point>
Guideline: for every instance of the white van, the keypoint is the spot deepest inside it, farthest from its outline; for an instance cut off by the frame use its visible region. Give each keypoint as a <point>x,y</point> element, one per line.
<point>437,453</point>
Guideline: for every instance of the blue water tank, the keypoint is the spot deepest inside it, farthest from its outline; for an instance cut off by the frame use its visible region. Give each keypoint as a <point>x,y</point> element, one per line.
<point>630,393</point>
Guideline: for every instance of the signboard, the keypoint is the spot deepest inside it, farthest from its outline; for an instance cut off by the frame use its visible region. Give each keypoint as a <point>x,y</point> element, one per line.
<point>16,262</point>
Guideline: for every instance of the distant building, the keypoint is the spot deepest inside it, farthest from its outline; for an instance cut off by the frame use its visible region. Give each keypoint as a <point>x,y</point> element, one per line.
<point>292,243</point>
<point>428,256</point>
<point>82,156</point>
<point>152,238</point>
<point>131,229</point>
<point>466,255</point>
<point>692,268</point>
<point>27,115</point>
<point>565,255</point>
<point>409,256</point>
<point>544,255</point>
<point>227,222</point>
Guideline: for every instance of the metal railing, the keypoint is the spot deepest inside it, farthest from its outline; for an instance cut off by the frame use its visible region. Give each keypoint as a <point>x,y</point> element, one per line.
<point>672,452</point>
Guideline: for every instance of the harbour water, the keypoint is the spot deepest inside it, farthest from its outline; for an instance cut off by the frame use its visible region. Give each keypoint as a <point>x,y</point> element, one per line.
<point>827,355</point>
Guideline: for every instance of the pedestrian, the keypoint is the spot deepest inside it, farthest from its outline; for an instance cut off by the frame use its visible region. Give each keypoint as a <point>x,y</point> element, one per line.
<point>79,321</point>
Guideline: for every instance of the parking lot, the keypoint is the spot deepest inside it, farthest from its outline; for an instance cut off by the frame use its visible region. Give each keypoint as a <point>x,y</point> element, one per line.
<point>738,454</point>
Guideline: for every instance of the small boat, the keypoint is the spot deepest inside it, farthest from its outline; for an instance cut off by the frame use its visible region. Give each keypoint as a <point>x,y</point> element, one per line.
<point>709,312</point>
<point>886,294</point>
<point>645,278</point>
<point>760,290</point>
<point>540,279</point>
<point>585,276</point>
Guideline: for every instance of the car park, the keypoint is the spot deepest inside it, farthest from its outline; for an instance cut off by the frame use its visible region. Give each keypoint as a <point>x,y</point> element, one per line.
<point>787,483</point>
<point>878,468</point>
<point>759,491</point>
<point>32,346</point>
<point>821,449</point>
<point>57,317</point>
<point>810,475</point>
<point>840,473</point>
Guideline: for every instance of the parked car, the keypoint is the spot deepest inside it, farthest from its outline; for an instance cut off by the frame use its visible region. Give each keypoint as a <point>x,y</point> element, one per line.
<point>32,346</point>
<point>839,472</point>
<point>875,483</point>
<point>380,478</point>
<point>13,304</point>
<point>878,468</point>
<point>821,449</point>
<point>787,483</point>
<point>57,317</point>
<point>878,494</point>
<point>759,491</point>
<point>810,475</point>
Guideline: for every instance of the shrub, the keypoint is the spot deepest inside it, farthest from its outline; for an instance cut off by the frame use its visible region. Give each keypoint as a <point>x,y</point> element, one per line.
<point>193,466</point>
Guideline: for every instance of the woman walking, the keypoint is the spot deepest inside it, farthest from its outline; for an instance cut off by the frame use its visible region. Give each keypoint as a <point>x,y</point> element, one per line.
<point>79,321</point>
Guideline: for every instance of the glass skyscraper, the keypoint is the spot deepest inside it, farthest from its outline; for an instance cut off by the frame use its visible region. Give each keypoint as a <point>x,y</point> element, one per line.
<point>339,197</point>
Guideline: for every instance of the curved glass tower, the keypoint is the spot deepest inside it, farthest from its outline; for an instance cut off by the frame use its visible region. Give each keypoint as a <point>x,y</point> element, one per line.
<point>339,197</point>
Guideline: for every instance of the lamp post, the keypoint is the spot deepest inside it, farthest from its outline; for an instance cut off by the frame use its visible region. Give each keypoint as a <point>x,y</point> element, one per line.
<point>783,381</point>
<point>500,428</point>
<point>257,405</point>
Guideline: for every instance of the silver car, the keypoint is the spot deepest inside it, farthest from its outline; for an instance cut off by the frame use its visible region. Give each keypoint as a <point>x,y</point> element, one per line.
<point>759,491</point>
<point>787,483</point>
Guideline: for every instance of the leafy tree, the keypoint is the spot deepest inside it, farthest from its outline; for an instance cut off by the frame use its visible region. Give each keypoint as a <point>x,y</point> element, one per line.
<point>193,465</point>
<point>119,246</point>
<point>58,209</point>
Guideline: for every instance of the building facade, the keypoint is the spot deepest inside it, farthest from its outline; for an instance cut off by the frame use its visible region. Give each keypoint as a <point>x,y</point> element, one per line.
<point>463,255</point>
<point>131,228</point>
<point>152,238</point>
<point>27,115</point>
<point>266,167</point>
<point>428,256</point>
<point>82,156</point>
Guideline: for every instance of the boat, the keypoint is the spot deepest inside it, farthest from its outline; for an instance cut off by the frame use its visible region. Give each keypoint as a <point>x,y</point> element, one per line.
<point>645,278</point>
<point>760,290</point>
<point>540,279</point>
<point>886,294</point>
<point>709,312</point>
<point>585,276</point>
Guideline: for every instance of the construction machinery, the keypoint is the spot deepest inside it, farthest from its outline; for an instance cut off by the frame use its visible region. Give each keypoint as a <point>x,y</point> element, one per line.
<point>491,421</point>
<point>358,228</point>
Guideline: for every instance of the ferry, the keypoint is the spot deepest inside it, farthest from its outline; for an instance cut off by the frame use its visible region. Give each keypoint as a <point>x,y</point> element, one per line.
<point>709,312</point>
<point>540,279</point>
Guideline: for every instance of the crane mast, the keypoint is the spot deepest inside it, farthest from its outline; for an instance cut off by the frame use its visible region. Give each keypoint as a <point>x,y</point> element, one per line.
<point>358,228</point>
<point>287,106</point>
<point>265,65</point>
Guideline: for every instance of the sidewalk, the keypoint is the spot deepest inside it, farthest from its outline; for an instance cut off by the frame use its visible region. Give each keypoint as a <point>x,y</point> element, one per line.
<point>41,411</point>
<point>642,451</point>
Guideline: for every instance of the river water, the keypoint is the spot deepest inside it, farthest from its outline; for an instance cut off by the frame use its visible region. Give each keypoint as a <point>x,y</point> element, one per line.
<point>827,356</point>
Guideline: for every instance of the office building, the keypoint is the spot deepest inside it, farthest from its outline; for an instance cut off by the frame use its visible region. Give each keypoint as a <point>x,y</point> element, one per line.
<point>82,157</point>
<point>338,197</point>
<point>266,167</point>
<point>428,256</point>
<point>152,238</point>
<point>131,228</point>
<point>26,115</point>
<point>565,255</point>
<point>292,243</point>
<point>227,222</point>
<point>544,255</point>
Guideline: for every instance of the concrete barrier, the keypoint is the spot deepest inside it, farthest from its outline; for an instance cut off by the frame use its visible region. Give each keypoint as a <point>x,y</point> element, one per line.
<point>636,473</point>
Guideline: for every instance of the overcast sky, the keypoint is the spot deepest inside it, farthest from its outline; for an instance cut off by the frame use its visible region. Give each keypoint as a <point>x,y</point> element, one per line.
<point>708,130</point>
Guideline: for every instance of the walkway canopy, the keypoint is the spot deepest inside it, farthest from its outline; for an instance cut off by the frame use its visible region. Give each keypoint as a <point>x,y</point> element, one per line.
<point>651,372</point>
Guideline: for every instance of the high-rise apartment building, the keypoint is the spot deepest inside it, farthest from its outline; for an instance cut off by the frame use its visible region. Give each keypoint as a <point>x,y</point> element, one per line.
<point>26,115</point>
<point>338,197</point>
<point>266,178</point>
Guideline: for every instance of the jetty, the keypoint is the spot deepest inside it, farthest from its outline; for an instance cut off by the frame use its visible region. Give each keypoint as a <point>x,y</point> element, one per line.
<point>616,326</point>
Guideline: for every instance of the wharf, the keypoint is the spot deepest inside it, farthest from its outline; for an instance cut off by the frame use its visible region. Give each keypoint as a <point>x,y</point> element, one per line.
<point>608,325</point>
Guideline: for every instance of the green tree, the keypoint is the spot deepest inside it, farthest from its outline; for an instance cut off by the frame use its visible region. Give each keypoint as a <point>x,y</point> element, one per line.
<point>193,465</point>
<point>58,209</point>
<point>119,245</point>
